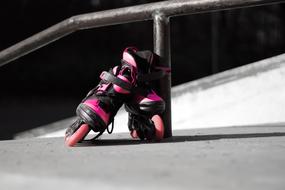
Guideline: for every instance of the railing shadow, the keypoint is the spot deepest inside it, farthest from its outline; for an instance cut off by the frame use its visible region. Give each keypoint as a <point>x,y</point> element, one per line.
<point>177,139</point>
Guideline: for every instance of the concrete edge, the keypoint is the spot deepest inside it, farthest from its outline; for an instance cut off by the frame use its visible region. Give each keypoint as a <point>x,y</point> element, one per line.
<point>229,75</point>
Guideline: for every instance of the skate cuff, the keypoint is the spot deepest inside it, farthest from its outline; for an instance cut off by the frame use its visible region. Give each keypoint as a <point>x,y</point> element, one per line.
<point>152,76</point>
<point>115,80</point>
<point>155,75</point>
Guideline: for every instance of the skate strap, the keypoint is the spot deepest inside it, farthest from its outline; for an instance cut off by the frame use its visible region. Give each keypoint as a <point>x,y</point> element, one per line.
<point>115,80</point>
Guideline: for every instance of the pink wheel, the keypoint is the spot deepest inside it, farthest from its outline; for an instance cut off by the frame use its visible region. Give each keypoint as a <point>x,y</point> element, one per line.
<point>77,136</point>
<point>159,127</point>
<point>134,134</point>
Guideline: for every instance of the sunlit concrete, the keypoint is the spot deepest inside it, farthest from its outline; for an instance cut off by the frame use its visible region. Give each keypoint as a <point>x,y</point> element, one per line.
<point>248,95</point>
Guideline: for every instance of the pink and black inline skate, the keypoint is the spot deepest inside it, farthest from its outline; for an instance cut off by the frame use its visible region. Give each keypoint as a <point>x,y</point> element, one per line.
<point>145,105</point>
<point>125,83</point>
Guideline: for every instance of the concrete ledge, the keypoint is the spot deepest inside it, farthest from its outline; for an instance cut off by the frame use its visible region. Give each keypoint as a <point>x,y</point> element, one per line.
<point>250,70</point>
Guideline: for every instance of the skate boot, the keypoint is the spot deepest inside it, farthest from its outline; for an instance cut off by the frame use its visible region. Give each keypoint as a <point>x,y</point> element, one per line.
<point>145,105</point>
<point>98,108</point>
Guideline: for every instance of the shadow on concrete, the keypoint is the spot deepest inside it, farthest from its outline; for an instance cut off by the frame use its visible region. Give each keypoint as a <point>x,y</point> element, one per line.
<point>222,136</point>
<point>177,139</point>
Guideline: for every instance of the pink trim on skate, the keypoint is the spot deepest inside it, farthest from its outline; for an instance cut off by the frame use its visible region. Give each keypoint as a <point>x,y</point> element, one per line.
<point>118,88</point>
<point>94,105</point>
<point>129,59</point>
<point>151,97</point>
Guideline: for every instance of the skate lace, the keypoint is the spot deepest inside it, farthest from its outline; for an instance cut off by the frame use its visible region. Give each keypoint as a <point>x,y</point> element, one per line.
<point>110,131</point>
<point>128,71</point>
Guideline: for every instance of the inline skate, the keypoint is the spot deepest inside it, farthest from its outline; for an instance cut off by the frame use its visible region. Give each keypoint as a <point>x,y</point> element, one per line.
<point>145,106</point>
<point>98,108</point>
<point>127,83</point>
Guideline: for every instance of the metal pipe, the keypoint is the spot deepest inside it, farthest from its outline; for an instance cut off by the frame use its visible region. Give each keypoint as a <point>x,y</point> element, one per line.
<point>120,16</point>
<point>215,18</point>
<point>36,41</point>
<point>161,42</point>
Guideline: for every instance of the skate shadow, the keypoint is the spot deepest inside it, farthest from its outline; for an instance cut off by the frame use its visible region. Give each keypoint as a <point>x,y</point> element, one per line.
<point>222,136</point>
<point>177,139</point>
<point>111,142</point>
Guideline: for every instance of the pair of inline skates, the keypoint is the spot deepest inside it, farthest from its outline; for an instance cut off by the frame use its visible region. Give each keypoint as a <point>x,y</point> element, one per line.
<point>129,84</point>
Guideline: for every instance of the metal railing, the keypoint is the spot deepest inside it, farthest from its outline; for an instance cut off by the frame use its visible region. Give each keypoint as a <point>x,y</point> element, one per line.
<point>159,12</point>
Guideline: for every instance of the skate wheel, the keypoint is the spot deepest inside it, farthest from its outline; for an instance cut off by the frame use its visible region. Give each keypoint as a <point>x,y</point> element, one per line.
<point>77,136</point>
<point>159,127</point>
<point>134,134</point>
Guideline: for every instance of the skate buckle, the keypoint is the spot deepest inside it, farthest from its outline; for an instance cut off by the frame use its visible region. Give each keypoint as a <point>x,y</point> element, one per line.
<point>102,75</point>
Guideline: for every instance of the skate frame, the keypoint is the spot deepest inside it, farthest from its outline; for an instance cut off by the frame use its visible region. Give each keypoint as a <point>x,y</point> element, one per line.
<point>159,12</point>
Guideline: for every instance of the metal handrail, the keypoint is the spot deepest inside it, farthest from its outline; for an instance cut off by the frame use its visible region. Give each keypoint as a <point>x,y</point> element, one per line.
<point>121,16</point>
<point>158,12</point>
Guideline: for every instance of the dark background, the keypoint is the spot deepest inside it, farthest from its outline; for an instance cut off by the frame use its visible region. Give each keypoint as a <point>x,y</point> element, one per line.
<point>47,84</point>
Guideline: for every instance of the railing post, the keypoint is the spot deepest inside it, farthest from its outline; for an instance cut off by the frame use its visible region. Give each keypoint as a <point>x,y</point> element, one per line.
<point>161,37</point>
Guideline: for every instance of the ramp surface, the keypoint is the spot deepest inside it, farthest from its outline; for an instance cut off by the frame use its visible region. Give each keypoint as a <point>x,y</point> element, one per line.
<point>248,95</point>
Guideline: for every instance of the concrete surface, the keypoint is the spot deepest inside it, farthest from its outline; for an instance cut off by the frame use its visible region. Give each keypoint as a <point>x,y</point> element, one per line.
<point>248,95</point>
<point>249,157</point>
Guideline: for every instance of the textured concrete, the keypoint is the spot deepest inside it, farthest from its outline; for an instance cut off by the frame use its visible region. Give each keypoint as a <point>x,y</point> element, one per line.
<point>251,157</point>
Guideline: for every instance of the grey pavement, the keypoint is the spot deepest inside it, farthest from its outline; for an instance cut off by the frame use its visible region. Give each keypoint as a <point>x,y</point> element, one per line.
<point>249,157</point>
